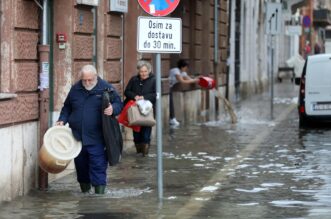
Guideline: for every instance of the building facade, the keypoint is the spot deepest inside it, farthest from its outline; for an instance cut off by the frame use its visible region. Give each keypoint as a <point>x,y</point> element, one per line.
<point>45,43</point>
<point>251,46</point>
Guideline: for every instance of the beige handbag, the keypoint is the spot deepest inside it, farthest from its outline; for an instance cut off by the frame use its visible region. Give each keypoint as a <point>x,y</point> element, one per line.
<point>138,119</point>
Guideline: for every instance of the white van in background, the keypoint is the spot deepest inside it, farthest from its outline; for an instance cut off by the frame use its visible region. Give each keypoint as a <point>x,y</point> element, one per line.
<point>314,102</point>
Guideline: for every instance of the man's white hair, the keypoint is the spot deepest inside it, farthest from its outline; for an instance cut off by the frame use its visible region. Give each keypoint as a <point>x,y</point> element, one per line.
<point>88,69</point>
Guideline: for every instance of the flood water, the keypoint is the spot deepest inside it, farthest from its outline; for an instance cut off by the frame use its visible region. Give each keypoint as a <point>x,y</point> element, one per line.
<point>256,168</point>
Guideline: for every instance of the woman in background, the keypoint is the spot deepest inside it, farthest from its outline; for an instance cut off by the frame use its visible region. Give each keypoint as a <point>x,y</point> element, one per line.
<point>142,86</point>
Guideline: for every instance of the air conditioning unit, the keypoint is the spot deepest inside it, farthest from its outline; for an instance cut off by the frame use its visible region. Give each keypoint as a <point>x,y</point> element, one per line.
<point>88,2</point>
<point>118,5</point>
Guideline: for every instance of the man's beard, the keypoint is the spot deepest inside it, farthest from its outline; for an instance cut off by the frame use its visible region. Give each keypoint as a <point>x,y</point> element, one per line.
<point>90,87</point>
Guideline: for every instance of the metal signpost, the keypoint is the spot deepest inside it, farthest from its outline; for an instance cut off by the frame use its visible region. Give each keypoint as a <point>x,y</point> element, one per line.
<point>159,35</point>
<point>273,27</point>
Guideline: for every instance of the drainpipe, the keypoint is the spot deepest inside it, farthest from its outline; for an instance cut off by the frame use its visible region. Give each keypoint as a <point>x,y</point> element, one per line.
<point>216,37</point>
<point>122,53</point>
<point>95,36</point>
<point>229,50</point>
<point>43,50</point>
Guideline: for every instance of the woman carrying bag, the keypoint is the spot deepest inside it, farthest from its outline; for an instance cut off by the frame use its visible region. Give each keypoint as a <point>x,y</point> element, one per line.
<point>142,87</point>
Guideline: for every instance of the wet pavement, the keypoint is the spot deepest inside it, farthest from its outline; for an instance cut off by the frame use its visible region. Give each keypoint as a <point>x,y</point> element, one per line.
<point>256,168</point>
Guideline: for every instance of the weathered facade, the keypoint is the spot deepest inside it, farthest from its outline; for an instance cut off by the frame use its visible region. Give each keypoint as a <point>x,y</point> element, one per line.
<point>250,45</point>
<point>19,107</point>
<point>248,69</point>
<point>93,35</point>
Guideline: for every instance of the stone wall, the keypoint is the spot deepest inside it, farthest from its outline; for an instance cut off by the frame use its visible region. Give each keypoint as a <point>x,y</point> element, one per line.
<point>19,61</point>
<point>19,111</point>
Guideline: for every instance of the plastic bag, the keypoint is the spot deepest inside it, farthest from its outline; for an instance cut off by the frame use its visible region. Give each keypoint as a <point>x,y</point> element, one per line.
<point>145,106</point>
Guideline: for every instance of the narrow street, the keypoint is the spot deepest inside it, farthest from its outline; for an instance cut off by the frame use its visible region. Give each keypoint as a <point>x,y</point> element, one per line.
<point>256,168</point>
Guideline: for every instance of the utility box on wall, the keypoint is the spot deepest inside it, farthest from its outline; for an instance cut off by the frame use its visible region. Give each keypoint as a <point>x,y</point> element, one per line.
<point>88,2</point>
<point>118,5</point>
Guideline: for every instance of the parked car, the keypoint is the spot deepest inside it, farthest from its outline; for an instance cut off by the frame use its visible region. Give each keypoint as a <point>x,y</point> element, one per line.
<point>314,103</point>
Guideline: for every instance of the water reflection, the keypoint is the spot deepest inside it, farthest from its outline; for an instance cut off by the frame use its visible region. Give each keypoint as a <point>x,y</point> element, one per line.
<point>316,141</point>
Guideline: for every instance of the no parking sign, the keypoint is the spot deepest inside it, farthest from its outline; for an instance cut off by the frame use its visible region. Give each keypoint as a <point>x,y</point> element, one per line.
<point>306,21</point>
<point>158,7</point>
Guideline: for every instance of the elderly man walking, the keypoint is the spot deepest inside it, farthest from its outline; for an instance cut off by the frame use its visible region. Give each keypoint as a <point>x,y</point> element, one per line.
<point>82,110</point>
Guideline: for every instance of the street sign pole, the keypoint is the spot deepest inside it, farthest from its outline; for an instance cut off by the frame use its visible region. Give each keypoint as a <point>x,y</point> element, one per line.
<point>273,27</point>
<point>159,127</point>
<point>157,35</point>
<point>272,80</point>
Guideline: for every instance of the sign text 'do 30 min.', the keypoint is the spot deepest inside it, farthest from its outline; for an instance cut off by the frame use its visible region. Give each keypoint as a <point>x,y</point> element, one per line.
<point>159,35</point>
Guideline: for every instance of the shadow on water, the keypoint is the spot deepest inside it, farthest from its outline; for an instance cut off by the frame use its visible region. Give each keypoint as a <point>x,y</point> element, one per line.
<point>107,216</point>
<point>315,132</point>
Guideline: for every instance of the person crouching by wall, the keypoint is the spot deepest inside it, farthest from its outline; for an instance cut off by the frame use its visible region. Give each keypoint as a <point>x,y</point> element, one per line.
<point>178,75</point>
<point>82,110</point>
<point>142,86</point>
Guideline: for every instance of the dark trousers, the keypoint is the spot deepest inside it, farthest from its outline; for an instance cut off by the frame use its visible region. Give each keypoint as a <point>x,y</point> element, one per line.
<point>144,136</point>
<point>171,105</point>
<point>91,165</point>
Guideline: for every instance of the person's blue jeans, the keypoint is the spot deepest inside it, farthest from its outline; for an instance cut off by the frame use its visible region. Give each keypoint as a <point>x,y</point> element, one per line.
<point>144,136</point>
<point>91,165</point>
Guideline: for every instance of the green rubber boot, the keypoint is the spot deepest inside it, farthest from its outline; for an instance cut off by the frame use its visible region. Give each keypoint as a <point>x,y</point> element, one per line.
<point>85,187</point>
<point>99,189</point>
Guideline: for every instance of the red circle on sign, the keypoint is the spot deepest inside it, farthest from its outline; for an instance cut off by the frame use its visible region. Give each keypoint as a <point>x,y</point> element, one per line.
<point>306,21</point>
<point>158,8</point>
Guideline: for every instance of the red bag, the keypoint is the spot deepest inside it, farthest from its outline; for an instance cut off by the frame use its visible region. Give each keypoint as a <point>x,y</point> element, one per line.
<point>123,116</point>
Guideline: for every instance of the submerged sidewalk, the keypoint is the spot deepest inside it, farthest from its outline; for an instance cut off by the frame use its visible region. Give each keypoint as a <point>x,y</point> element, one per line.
<point>197,162</point>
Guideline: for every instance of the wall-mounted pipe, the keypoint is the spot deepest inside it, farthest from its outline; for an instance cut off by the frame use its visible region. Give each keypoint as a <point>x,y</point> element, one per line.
<point>216,47</point>
<point>95,36</point>
<point>216,31</point>
<point>229,49</point>
<point>44,40</point>
<point>122,53</point>
<point>43,50</point>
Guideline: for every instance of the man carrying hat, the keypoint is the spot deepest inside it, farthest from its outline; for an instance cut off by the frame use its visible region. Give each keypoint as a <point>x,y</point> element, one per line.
<point>82,110</point>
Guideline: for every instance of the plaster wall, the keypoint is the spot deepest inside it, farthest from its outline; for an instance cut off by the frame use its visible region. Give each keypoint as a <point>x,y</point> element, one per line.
<point>18,163</point>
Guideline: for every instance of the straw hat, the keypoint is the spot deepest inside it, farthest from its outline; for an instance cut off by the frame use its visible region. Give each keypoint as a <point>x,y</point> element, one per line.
<point>60,143</point>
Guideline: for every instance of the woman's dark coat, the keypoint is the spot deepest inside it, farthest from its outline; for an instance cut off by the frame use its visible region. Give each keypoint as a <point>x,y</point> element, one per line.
<point>145,88</point>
